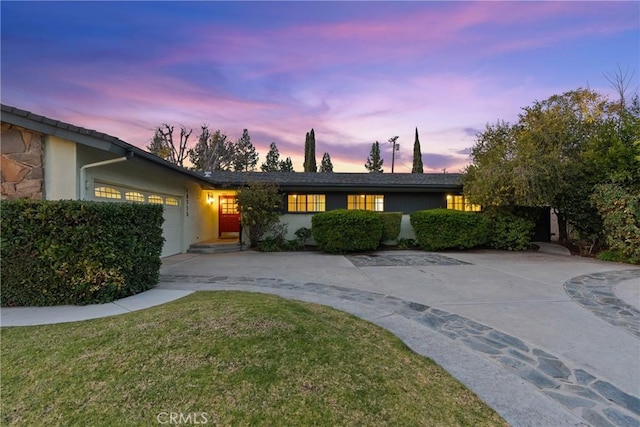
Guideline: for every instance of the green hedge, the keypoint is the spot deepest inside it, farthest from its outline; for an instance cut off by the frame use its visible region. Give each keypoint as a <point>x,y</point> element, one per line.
<point>391,222</point>
<point>438,229</point>
<point>72,252</point>
<point>341,230</point>
<point>508,231</point>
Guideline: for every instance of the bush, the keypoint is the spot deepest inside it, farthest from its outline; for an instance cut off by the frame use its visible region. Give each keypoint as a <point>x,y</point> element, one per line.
<point>259,204</point>
<point>73,252</point>
<point>507,231</point>
<point>619,208</point>
<point>438,229</point>
<point>391,222</point>
<point>341,231</point>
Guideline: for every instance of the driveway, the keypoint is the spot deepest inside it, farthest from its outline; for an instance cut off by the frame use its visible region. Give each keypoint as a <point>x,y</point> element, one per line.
<point>544,338</point>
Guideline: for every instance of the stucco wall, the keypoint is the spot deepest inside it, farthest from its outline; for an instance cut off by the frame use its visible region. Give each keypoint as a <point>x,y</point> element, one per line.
<point>21,167</point>
<point>60,169</point>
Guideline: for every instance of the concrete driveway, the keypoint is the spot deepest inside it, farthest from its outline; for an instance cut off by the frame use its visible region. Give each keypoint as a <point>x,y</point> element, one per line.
<point>544,338</point>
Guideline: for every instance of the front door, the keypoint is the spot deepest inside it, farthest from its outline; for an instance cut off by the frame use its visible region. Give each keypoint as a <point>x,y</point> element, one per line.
<point>229,216</point>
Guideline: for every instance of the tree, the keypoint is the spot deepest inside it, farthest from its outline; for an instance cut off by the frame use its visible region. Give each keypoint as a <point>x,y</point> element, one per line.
<point>374,161</point>
<point>272,161</point>
<point>326,165</point>
<point>245,157</point>
<point>310,152</point>
<point>286,165</point>
<point>555,154</point>
<point>259,203</point>
<point>417,156</point>
<point>213,152</point>
<point>163,144</point>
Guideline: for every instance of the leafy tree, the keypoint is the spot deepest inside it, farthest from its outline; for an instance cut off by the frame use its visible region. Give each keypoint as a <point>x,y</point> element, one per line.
<point>245,157</point>
<point>326,165</point>
<point>163,144</point>
<point>555,154</point>
<point>374,161</point>
<point>272,162</point>
<point>213,152</point>
<point>286,165</point>
<point>417,156</point>
<point>310,152</point>
<point>259,203</point>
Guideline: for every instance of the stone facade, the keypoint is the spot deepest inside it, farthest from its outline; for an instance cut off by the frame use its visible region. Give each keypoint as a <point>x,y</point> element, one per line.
<point>22,166</point>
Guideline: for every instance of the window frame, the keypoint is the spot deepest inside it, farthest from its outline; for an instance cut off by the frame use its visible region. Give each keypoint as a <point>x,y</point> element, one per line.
<point>367,202</point>
<point>306,202</point>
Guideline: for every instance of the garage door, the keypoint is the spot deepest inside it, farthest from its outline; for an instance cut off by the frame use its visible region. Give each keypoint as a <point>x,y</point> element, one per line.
<point>172,211</point>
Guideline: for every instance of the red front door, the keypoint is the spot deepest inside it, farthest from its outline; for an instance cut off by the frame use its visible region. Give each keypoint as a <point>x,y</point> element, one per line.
<point>229,215</point>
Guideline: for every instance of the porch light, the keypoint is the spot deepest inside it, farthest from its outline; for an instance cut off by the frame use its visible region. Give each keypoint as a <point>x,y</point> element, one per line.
<point>210,198</point>
<point>448,196</point>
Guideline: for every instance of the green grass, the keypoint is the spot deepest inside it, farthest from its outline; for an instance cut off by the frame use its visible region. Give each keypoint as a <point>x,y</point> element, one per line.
<point>240,358</point>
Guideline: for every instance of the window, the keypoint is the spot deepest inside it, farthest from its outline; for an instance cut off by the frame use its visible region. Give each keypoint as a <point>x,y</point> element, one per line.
<point>171,201</point>
<point>134,196</point>
<point>459,203</point>
<point>228,206</point>
<point>306,203</point>
<point>369,202</point>
<point>157,200</point>
<point>107,193</point>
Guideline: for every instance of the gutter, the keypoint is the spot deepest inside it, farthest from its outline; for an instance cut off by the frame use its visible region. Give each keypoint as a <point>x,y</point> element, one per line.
<point>83,171</point>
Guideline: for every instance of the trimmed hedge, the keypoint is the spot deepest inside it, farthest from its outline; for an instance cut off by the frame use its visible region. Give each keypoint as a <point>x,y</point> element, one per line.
<point>76,252</point>
<point>391,222</point>
<point>341,231</point>
<point>438,229</point>
<point>508,231</point>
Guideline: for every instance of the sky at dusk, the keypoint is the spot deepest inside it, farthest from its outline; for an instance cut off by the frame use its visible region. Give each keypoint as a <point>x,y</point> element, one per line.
<point>356,72</point>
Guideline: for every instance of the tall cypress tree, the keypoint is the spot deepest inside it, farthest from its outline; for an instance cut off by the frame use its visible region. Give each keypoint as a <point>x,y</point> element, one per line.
<point>310,153</point>
<point>417,156</point>
<point>374,161</point>
<point>305,166</point>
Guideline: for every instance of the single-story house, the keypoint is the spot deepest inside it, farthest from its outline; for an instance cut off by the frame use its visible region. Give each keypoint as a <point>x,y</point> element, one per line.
<point>46,159</point>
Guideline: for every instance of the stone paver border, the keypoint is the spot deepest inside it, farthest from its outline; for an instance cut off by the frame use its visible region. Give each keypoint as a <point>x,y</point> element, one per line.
<point>595,293</point>
<point>595,400</point>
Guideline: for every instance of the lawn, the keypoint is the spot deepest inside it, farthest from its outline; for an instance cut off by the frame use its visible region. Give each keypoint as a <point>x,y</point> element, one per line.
<point>227,358</point>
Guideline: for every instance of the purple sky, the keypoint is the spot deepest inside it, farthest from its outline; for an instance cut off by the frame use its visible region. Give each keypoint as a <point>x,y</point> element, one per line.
<point>356,72</point>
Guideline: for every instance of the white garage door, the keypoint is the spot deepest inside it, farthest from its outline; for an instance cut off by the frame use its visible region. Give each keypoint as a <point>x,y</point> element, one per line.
<point>172,211</point>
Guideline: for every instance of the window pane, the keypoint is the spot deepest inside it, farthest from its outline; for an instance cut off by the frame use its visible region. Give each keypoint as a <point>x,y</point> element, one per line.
<point>134,196</point>
<point>155,199</point>
<point>172,201</point>
<point>107,193</point>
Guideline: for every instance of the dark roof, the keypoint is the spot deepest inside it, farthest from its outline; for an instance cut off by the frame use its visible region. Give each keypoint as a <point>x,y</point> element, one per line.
<point>286,180</point>
<point>88,137</point>
<point>300,180</point>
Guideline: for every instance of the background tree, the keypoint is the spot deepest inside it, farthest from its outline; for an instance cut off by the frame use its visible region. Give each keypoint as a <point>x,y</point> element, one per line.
<point>417,156</point>
<point>286,165</point>
<point>374,161</point>
<point>272,161</point>
<point>163,144</point>
<point>245,157</point>
<point>310,152</point>
<point>259,205</point>
<point>325,164</point>
<point>213,152</point>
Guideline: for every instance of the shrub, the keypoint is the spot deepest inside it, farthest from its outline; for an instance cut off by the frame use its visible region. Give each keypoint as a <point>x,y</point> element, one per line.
<point>619,208</point>
<point>76,252</point>
<point>341,231</point>
<point>391,222</point>
<point>303,234</point>
<point>259,204</point>
<point>507,231</point>
<point>275,241</point>
<point>437,229</point>
<point>404,243</point>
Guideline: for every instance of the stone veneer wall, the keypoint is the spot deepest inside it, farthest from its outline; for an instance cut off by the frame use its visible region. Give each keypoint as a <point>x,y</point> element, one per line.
<point>21,167</point>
